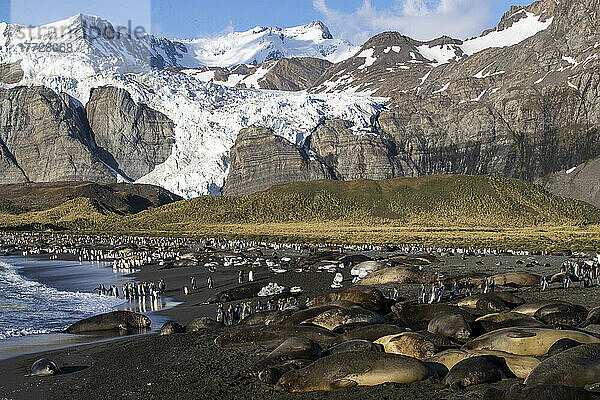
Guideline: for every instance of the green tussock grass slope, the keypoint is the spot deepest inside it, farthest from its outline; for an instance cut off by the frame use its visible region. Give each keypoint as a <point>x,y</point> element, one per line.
<point>435,210</point>
<point>434,201</point>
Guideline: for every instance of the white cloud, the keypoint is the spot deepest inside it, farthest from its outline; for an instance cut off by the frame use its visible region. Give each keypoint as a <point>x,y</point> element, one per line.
<point>420,19</point>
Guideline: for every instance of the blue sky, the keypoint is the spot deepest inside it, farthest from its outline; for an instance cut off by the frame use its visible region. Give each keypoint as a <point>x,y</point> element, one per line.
<point>355,20</point>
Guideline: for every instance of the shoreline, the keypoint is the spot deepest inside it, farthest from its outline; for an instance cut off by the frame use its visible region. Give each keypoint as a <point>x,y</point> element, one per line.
<point>24,344</point>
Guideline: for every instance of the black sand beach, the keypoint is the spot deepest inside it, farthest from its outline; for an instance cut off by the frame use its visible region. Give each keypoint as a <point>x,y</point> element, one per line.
<point>189,365</point>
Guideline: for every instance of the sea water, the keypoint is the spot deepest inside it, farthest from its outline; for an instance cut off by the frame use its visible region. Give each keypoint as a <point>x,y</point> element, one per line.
<point>42,296</point>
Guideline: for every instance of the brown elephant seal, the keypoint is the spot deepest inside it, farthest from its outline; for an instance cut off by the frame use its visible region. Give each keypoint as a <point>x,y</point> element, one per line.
<point>450,325</point>
<point>562,345</point>
<point>501,316</point>
<point>336,317</point>
<point>508,298</point>
<point>297,347</point>
<point>344,370</point>
<point>398,275</point>
<point>409,344</point>
<point>528,322</point>
<point>44,367</point>
<point>354,345</point>
<point>477,370</point>
<point>559,307</point>
<point>260,318</point>
<point>441,342</point>
<point>271,374</point>
<point>593,317</point>
<point>520,366</point>
<point>296,317</point>
<point>526,341</point>
<point>516,279</point>
<point>491,304</point>
<point>115,320</point>
<point>427,312</point>
<point>247,291</point>
<point>170,328</point>
<point>369,332</point>
<point>272,336</point>
<point>519,391</point>
<point>367,297</point>
<point>578,366</point>
<point>531,308</point>
<point>293,353</point>
<point>564,319</point>
<point>202,323</point>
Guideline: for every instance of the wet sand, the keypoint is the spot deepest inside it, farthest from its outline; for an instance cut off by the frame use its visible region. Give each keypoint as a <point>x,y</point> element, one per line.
<point>190,366</point>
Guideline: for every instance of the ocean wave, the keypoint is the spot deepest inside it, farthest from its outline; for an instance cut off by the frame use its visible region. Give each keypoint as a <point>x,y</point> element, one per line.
<point>47,309</point>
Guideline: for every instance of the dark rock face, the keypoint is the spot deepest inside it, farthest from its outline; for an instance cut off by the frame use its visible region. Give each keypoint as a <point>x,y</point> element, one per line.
<point>353,155</point>
<point>121,197</point>
<point>293,74</point>
<point>45,137</point>
<point>132,138</point>
<point>260,159</point>
<point>11,72</point>
<point>581,182</point>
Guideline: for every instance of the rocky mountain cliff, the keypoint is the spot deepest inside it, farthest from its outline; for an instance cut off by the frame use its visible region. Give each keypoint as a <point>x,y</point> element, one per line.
<point>504,103</point>
<point>518,101</point>
<point>47,137</point>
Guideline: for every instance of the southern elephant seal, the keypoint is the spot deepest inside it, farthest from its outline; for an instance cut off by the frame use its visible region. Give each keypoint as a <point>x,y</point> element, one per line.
<point>427,312</point>
<point>367,297</point>
<point>44,367</point>
<point>272,374</point>
<point>369,332</point>
<point>562,345</point>
<point>491,304</point>
<point>398,275</point>
<point>520,366</point>
<point>593,317</point>
<point>578,366</point>
<point>501,316</point>
<point>336,317</point>
<point>247,291</point>
<point>272,336</point>
<point>477,370</point>
<point>516,279</point>
<point>409,344</point>
<point>354,345</point>
<point>531,308</point>
<point>115,320</point>
<point>559,307</point>
<point>564,319</point>
<point>451,325</point>
<point>294,353</point>
<point>171,327</point>
<point>202,323</point>
<point>508,298</point>
<point>297,347</point>
<point>526,341</point>
<point>519,391</point>
<point>344,370</point>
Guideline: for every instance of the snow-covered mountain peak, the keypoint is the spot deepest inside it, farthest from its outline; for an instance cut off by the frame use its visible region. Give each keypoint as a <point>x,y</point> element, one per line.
<point>262,44</point>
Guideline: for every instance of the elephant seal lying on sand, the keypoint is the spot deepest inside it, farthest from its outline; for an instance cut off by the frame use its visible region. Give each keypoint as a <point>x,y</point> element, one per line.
<point>44,367</point>
<point>578,366</point>
<point>123,320</point>
<point>272,336</point>
<point>476,370</point>
<point>526,341</point>
<point>344,370</point>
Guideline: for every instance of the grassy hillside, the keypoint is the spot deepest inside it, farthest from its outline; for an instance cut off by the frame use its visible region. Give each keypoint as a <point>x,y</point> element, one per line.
<point>440,210</point>
<point>436,200</point>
